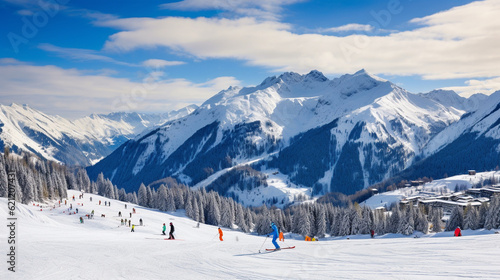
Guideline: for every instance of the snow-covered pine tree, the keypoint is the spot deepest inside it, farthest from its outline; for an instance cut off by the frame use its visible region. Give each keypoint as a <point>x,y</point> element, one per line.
<point>70,180</point>
<point>26,182</point>
<point>394,220</point>
<point>456,219</point>
<point>320,221</point>
<point>345,222</point>
<point>303,222</point>
<point>170,200</point>
<point>178,197</point>
<point>471,219</point>
<point>82,180</point>
<point>483,211</point>
<point>212,208</point>
<point>240,218</point>
<point>421,223</point>
<point>149,197</point>
<point>250,219</point>
<point>405,223</point>
<point>493,214</point>
<point>161,199</point>
<point>100,184</point>
<point>436,219</point>
<point>366,221</point>
<point>226,215</point>
<point>122,194</point>
<point>189,207</point>
<point>3,178</point>
<point>201,207</point>
<point>142,196</point>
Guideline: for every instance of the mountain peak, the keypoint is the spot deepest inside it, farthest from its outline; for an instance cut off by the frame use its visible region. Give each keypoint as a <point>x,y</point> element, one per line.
<point>315,75</point>
<point>350,84</point>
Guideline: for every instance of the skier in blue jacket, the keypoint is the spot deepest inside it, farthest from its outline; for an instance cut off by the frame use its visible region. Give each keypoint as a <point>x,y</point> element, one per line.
<point>275,236</point>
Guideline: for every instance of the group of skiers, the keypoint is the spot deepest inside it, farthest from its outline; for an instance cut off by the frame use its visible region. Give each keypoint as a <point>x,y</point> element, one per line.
<point>171,233</point>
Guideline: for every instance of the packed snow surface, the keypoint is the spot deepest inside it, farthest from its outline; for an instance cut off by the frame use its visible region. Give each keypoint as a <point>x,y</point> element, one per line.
<point>51,244</point>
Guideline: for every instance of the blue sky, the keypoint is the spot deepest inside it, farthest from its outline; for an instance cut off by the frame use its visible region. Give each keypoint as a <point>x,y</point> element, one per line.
<point>73,58</point>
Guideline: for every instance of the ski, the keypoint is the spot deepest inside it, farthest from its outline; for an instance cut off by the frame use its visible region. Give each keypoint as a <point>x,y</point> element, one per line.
<point>281,248</point>
<point>164,239</point>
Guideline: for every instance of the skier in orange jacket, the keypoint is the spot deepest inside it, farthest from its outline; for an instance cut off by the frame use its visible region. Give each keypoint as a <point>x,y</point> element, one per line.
<point>220,234</point>
<point>282,238</point>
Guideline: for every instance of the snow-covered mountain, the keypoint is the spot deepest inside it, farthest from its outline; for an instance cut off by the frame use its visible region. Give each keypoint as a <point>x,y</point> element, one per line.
<point>300,130</point>
<point>81,142</point>
<point>471,143</point>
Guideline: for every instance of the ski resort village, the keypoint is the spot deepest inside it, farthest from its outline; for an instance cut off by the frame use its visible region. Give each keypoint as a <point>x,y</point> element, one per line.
<point>250,139</point>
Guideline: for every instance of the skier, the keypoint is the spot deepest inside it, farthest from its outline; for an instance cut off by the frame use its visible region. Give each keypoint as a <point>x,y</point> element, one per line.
<point>282,237</point>
<point>119,213</point>
<point>458,231</point>
<point>171,233</point>
<point>220,234</point>
<point>275,236</point>
<point>372,233</point>
<point>129,221</point>
<point>133,227</point>
<point>81,220</point>
<point>164,229</point>
<point>140,222</point>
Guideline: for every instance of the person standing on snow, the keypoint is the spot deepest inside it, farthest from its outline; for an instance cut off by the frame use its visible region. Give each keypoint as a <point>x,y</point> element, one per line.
<point>133,227</point>
<point>458,231</point>
<point>275,236</point>
<point>164,229</point>
<point>220,234</point>
<point>171,233</point>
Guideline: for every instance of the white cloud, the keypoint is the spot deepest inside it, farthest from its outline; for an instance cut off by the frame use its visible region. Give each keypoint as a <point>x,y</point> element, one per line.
<point>80,54</point>
<point>350,27</point>
<point>160,63</point>
<point>487,86</point>
<point>459,43</point>
<point>74,93</point>
<point>268,9</point>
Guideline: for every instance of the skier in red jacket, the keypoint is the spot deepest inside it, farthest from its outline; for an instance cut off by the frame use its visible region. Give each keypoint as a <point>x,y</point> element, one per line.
<point>458,231</point>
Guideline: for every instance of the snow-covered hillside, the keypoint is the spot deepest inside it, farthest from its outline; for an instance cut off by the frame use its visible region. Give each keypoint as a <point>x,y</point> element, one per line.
<point>323,135</point>
<point>83,141</point>
<point>51,244</point>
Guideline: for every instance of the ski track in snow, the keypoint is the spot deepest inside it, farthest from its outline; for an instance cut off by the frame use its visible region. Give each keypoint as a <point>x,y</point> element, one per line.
<point>54,245</point>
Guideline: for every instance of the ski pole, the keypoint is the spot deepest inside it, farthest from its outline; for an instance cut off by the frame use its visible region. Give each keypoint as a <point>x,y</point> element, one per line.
<point>263,243</point>
<point>214,236</point>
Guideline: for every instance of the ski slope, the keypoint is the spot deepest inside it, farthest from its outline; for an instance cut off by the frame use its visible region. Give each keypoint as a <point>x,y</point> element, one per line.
<point>54,245</point>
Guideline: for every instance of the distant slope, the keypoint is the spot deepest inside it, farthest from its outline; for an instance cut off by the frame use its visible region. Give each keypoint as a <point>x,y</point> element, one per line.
<point>80,142</point>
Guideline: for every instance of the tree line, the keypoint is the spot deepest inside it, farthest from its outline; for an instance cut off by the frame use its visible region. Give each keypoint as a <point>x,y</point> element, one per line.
<point>38,180</point>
